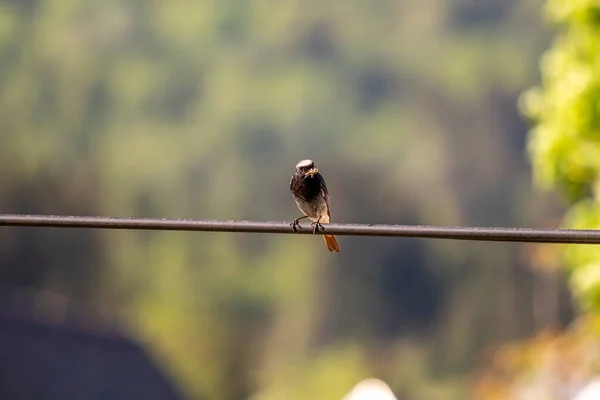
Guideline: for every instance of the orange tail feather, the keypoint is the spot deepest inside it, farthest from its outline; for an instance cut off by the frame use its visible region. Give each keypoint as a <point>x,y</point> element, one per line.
<point>331,243</point>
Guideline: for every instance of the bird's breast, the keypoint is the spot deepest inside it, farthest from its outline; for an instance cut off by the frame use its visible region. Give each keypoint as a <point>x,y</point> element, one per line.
<point>308,188</point>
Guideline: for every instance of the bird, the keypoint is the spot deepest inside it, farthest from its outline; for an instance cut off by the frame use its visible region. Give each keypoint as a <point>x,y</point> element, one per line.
<point>310,193</point>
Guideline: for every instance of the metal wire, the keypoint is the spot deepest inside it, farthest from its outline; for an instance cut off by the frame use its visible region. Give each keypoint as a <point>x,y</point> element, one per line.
<point>414,231</point>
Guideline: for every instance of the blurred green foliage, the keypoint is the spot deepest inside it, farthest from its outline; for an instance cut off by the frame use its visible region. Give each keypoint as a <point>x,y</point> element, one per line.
<point>565,142</point>
<point>200,109</point>
<point>564,148</point>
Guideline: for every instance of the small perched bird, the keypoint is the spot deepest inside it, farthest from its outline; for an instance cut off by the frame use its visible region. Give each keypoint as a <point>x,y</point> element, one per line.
<point>310,193</point>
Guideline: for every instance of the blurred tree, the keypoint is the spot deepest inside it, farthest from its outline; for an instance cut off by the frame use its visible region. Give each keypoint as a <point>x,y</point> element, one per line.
<point>563,145</point>
<point>565,142</point>
<point>201,109</point>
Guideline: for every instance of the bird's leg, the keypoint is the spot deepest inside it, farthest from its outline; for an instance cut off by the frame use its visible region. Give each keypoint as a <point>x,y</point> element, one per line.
<point>294,224</point>
<point>317,225</point>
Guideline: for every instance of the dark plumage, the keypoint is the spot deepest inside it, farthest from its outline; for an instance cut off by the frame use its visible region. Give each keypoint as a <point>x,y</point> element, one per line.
<point>310,193</point>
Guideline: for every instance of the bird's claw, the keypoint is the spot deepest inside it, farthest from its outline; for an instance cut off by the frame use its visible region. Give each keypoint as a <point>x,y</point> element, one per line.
<point>295,225</point>
<point>316,226</point>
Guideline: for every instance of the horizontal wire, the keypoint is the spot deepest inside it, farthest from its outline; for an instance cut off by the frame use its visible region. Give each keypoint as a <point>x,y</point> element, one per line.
<point>207,225</point>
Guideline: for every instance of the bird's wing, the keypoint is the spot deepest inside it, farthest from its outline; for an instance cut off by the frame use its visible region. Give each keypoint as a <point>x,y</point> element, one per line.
<point>325,195</point>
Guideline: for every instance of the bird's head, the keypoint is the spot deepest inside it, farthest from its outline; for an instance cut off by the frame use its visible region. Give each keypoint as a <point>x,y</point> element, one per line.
<point>306,168</point>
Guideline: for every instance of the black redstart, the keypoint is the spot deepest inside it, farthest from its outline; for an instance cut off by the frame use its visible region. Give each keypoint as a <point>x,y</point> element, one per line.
<point>310,193</point>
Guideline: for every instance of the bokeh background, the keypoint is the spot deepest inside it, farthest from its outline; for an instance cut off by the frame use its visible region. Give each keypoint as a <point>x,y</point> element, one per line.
<point>201,109</point>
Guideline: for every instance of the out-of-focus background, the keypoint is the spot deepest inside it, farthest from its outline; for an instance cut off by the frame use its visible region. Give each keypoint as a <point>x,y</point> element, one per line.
<point>201,109</point>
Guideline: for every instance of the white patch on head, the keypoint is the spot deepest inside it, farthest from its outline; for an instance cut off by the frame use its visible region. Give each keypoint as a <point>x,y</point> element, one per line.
<point>304,163</point>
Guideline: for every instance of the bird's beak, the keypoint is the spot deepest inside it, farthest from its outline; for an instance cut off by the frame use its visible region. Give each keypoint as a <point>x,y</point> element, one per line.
<point>311,172</point>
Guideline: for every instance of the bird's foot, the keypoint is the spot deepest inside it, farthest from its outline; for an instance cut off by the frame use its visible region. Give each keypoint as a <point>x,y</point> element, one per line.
<point>317,226</point>
<point>295,225</point>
